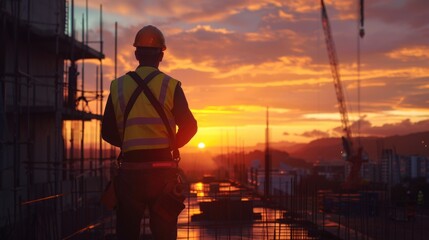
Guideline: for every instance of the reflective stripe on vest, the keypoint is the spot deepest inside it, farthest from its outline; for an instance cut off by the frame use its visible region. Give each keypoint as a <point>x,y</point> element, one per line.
<point>144,128</point>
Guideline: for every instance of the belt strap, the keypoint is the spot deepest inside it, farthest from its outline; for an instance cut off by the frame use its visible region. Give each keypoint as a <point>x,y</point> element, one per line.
<point>148,165</point>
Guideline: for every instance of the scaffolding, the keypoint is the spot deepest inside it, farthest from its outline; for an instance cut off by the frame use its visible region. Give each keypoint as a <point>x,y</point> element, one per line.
<point>52,165</point>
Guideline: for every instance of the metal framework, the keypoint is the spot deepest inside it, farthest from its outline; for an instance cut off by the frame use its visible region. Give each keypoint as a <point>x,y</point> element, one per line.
<point>51,168</point>
<point>352,155</point>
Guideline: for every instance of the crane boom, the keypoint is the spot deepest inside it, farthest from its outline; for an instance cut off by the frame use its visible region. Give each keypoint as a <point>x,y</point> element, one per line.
<point>333,60</point>
<point>361,29</point>
<point>354,157</point>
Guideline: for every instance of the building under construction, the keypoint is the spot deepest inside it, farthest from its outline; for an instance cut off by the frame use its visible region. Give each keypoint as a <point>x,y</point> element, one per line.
<point>51,168</point>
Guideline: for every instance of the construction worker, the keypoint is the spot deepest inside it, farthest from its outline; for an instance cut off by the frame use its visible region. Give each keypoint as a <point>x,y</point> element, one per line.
<point>147,166</point>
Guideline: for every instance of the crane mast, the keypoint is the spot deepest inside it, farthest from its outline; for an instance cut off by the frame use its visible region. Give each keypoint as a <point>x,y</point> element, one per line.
<point>354,157</point>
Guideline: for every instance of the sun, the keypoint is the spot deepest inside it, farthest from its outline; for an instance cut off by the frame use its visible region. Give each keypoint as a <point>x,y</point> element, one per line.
<point>201,145</point>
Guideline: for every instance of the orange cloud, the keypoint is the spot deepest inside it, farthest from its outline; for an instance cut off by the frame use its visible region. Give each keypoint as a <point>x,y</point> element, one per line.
<point>424,86</point>
<point>410,53</point>
<point>208,28</point>
<point>401,127</point>
<point>315,134</point>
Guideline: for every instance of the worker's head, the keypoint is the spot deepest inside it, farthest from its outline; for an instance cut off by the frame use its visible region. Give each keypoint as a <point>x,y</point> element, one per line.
<point>150,46</point>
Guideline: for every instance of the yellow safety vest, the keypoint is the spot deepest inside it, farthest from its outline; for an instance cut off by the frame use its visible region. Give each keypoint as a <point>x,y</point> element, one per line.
<point>144,128</point>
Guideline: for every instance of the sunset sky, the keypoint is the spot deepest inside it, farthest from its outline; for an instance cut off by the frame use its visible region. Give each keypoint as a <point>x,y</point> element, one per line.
<point>236,58</point>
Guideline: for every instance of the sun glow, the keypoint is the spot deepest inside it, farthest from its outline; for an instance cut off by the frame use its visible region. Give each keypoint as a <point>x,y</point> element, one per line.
<point>201,145</point>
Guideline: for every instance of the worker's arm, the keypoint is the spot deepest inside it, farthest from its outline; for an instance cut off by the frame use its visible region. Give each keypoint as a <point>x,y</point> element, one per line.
<point>109,129</point>
<point>187,125</point>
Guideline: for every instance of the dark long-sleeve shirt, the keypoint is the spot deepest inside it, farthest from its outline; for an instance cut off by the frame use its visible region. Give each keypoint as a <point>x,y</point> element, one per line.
<point>187,127</point>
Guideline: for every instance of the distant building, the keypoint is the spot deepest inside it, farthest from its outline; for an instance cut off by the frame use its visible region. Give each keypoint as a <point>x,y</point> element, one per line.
<point>394,168</point>
<point>334,171</point>
<point>280,183</point>
<point>390,167</point>
<point>370,172</point>
<point>416,167</point>
<point>281,180</point>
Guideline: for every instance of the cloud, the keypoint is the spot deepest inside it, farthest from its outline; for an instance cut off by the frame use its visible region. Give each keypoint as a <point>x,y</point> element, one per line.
<point>399,128</point>
<point>410,53</point>
<point>420,100</point>
<point>208,28</point>
<point>314,134</point>
<point>393,12</point>
<point>173,11</point>
<point>228,50</point>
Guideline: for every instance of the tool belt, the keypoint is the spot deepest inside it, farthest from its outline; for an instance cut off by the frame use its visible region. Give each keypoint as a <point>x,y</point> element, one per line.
<point>148,165</point>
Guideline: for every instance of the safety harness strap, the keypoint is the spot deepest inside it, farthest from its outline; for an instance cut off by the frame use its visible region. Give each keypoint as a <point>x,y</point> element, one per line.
<point>136,93</point>
<point>130,105</point>
<point>157,105</point>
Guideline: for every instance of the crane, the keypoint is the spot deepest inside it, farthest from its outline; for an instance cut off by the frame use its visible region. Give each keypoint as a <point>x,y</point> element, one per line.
<point>352,155</point>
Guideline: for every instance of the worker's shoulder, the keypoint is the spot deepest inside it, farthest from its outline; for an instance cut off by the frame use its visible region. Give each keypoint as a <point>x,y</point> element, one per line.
<point>126,75</point>
<point>167,76</point>
<point>115,81</point>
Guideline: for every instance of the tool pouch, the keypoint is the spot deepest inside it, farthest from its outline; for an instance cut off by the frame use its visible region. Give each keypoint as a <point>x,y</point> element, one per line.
<point>109,198</point>
<point>170,203</point>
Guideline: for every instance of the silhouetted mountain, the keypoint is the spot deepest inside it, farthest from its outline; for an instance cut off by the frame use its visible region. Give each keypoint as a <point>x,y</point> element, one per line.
<point>283,146</point>
<point>278,158</point>
<point>411,144</point>
<point>329,149</point>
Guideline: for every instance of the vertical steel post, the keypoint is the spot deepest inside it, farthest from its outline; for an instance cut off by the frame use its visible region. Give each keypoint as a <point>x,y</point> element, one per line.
<point>267,159</point>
